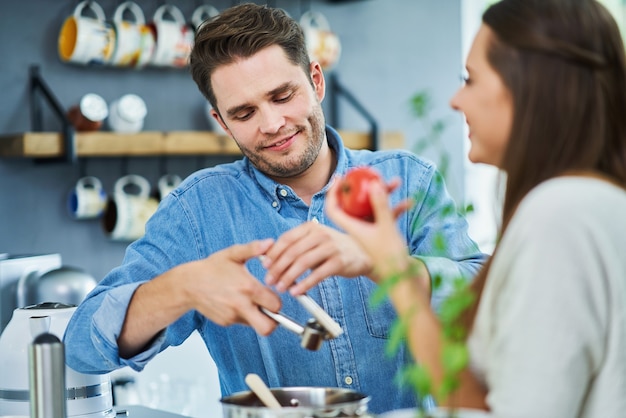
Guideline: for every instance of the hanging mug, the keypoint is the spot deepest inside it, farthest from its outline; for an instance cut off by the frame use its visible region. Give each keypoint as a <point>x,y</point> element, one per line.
<point>129,209</point>
<point>134,42</point>
<point>322,44</point>
<point>87,199</point>
<point>167,183</point>
<point>202,14</point>
<point>86,40</point>
<point>174,38</point>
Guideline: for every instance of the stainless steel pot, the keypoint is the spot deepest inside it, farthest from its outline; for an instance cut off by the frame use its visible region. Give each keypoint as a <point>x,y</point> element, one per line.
<point>298,402</point>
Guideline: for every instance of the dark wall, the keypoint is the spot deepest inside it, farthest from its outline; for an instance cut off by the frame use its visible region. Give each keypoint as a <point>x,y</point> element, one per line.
<point>391,49</point>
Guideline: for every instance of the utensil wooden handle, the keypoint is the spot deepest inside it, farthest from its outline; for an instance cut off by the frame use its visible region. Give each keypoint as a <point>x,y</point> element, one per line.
<point>322,317</point>
<point>260,389</point>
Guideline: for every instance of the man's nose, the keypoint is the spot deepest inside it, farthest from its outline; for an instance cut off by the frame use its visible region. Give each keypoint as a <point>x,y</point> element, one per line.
<point>271,120</point>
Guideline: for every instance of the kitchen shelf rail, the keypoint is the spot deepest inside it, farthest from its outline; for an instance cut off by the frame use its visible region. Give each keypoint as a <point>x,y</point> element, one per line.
<point>43,145</point>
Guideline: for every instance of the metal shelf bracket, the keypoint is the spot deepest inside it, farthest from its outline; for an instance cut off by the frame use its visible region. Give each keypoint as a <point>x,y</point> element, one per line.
<point>338,90</point>
<point>39,85</point>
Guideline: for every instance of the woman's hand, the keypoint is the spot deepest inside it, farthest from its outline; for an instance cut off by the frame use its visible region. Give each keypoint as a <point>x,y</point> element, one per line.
<point>379,238</point>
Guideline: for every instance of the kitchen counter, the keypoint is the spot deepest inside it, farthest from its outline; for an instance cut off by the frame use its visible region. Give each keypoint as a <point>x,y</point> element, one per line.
<point>138,411</point>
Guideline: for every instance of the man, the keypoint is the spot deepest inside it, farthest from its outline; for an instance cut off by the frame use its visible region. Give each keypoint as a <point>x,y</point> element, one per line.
<point>219,243</point>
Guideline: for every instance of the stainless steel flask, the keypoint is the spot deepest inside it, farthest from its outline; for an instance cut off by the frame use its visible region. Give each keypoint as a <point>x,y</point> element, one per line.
<point>46,358</point>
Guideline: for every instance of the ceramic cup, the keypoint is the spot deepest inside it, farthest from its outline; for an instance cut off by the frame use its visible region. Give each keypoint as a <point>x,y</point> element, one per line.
<point>84,39</point>
<point>201,14</point>
<point>127,114</point>
<point>167,183</point>
<point>89,113</point>
<point>134,43</point>
<point>174,38</point>
<point>87,199</point>
<point>129,209</point>
<point>322,44</point>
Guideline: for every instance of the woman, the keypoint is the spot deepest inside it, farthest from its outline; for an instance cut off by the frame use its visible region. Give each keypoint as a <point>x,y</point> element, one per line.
<point>545,101</point>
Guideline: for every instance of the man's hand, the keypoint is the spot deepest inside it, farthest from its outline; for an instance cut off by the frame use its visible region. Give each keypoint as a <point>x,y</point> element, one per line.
<point>220,287</point>
<point>224,291</point>
<point>318,248</point>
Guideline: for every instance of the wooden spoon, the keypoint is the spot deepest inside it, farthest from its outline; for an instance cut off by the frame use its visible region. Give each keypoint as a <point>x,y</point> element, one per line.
<point>260,389</point>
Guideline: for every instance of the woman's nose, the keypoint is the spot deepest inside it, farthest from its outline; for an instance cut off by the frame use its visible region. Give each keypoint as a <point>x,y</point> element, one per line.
<point>454,101</point>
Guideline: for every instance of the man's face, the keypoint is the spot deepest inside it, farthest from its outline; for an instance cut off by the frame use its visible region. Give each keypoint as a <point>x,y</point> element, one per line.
<point>271,109</point>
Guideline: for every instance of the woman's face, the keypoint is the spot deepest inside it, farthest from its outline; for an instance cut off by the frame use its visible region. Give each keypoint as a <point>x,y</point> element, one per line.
<point>486,104</point>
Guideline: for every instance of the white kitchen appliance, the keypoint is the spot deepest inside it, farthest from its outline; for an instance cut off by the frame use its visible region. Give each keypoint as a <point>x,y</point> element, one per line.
<point>12,268</point>
<point>88,396</point>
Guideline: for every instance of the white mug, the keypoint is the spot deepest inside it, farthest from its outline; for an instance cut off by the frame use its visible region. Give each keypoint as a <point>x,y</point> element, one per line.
<point>127,114</point>
<point>322,44</point>
<point>167,183</point>
<point>201,14</point>
<point>174,38</point>
<point>134,42</point>
<point>86,40</point>
<point>129,209</point>
<point>87,199</point>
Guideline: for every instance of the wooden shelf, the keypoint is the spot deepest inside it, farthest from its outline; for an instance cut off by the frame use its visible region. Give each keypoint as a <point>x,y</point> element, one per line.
<point>109,144</point>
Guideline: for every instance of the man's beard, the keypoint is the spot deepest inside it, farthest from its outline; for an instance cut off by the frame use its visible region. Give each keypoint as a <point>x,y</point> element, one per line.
<point>294,165</point>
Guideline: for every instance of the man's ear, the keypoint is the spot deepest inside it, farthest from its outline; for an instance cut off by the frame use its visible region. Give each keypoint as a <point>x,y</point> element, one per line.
<point>317,78</point>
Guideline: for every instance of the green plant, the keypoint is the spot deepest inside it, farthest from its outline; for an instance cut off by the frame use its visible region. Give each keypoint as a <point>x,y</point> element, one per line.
<point>454,355</point>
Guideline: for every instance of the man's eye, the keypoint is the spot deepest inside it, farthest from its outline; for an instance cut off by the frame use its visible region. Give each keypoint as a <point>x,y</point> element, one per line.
<point>284,98</point>
<point>244,116</point>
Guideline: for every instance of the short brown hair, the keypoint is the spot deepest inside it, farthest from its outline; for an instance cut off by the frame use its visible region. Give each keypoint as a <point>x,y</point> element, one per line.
<point>240,32</point>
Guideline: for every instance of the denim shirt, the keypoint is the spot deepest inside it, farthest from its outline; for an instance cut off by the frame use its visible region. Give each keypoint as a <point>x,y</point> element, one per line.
<point>235,203</point>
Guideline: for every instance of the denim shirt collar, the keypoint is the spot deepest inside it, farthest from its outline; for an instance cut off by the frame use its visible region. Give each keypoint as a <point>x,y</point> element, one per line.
<point>273,188</point>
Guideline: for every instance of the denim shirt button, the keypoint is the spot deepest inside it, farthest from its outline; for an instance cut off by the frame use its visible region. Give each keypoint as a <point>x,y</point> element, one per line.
<point>283,192</point>
<point>315,220</point>
<point>348,380</point>
<point>274,204</point>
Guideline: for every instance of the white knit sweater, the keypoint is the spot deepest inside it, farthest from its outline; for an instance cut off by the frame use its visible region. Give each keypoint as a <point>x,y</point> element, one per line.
<point>549,339</point>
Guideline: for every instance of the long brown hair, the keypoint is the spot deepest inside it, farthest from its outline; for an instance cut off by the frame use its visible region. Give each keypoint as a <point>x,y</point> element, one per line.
<point>563,62</point>
<point>240,32</point>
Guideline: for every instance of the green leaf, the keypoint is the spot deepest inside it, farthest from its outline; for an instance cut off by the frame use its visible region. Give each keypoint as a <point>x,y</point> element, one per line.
<point>455,357</point>
<point>397,335</point>
<point>420,104</point>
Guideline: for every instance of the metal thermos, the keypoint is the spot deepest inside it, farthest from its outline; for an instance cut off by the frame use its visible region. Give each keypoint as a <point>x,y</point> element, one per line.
<point>46,361</point>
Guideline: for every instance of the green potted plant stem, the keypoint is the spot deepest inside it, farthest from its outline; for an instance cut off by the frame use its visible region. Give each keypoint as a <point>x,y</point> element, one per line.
<point>454,354</point>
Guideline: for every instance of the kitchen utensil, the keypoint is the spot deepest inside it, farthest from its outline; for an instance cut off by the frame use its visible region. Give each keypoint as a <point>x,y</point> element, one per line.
<point>12,268</point>
<point>89,114</point>
<point>328,323</point>
<point>84,39</point>
<point>317,329</point>
<point>129,209</point>
<point>322,44</point>
<point>65,284</point>
<point>312,334</point>
<point>298,402</point>
<point>87,199</point>
<point>202,13</point>
<point>174,38</point>
<point>260,389</point>
<point>87,395</point>
<point>46,361</point>
<point>134,42</point>
<point>127,114</point>
<point>167,183</point>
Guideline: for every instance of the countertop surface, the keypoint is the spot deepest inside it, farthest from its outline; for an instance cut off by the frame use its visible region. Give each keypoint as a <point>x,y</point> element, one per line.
<point>137,411</point>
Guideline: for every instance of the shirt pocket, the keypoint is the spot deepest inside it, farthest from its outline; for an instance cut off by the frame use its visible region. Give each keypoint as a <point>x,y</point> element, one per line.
<point>379,319</point>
